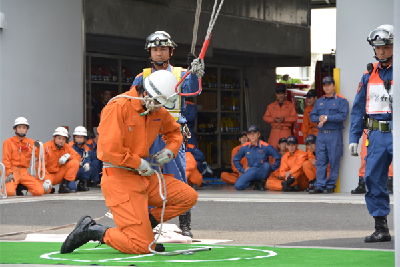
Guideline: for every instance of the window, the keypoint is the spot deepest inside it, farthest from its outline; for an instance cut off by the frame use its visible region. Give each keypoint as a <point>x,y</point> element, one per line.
<point>300,103</point>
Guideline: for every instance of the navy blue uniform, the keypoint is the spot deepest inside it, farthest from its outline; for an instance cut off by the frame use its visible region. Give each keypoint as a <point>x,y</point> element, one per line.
<point>82,174</point>
<point>257,162</point>
<point>380,149</point>
<point>198,156</point>
<point>329,144</point>
<point>190,113</point>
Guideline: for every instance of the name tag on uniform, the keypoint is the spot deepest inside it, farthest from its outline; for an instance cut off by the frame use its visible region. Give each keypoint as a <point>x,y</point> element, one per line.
<point>248,152</point>
<point>379,100</point>
<point>321,104</point>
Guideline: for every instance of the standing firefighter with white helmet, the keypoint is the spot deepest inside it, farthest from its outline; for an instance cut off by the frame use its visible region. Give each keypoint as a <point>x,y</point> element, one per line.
<point>374,99</point>
<point>80,146</point>
<point>160,47</point>
<point>62,162</point>
<point>127,129</point>
<point>17,156</point>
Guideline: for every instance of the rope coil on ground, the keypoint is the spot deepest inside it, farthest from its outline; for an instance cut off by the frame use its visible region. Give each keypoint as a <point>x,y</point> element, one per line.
<point>3,190</point>
<point>41,162</point>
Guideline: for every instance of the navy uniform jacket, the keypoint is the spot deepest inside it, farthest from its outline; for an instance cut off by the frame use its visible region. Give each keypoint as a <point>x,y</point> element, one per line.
<point>360,101</point>
<point>335,107</point>
<point>256,155</point>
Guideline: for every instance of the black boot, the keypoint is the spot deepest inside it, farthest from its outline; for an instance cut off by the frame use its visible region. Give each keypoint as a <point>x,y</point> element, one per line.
<point>390,185</point>
<point>295,188</point>
<point>262,185</point>
<point>64,187</point>
<point>257,184</point>
<point>86,230</point>
<point>310,185</point>
<point>184,224</point>
<point>286,184</point>
<point>153,221</point>
<point>20,187</point>
<point>381,233</point>
<point>82,185</point>
<point>360,189</point>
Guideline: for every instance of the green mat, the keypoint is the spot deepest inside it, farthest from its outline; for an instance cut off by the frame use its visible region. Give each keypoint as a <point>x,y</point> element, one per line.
<point>48,253</point>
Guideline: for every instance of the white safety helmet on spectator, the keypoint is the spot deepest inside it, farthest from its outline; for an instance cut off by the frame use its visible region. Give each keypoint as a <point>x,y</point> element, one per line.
<point>162,82</point>
<point>19,121</point>
<point>80,130</point>
<point>61,131</point>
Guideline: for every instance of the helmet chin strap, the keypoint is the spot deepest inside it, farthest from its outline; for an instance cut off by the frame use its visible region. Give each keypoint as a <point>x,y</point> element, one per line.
<point>159,63</point>
<point>383,60</point>
<point>20,134</point>
<point>58,146</point>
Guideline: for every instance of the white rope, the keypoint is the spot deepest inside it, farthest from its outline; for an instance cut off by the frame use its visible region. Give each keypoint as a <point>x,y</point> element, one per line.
<point>41,162</point>
<point>197,67</point>
<point>214,17</point>
<point>149,102</point>
<point>3,191</point>
<point>196,26</point>
<point>163,194</point>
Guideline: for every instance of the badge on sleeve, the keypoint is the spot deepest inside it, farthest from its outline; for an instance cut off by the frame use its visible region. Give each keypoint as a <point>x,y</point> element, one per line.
<point>360,85</point>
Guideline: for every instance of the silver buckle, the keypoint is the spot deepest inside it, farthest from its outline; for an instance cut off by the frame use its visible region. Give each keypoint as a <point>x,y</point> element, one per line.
<point>380,126</point>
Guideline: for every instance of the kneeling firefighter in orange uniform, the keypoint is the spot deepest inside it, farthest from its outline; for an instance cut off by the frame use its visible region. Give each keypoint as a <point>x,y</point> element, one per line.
<point>129,184</point>
<point>231,177</point>
<point>17,154</point>
<point>62,162</point>
<point>274,182</point>
<point>291,169</point>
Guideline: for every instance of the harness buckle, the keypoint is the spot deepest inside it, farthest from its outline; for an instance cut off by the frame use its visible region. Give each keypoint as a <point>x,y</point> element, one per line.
<point>384,127</point>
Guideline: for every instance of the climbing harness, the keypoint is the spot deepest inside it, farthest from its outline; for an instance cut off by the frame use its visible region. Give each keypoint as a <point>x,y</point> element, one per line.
<point>197,66</point>
<point>3,191</point>
<point>41,162</point>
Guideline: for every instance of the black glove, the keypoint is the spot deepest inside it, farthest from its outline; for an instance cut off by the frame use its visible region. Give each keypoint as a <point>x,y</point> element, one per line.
<point>190,58</point>
<point>37,143</point>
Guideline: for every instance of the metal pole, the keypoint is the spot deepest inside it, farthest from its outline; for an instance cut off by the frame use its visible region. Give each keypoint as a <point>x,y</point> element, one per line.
<point>396,130</point>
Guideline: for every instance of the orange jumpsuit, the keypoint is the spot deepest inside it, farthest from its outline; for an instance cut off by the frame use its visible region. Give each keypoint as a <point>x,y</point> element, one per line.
<point>308,127</point>
<point>56,172</point>
<point>361,172</point>
<point>280,130</point>
<point>309,169</point>
<point>273,182</point>
<point>16,159</point>
<point>231,177</point>
<point>124,139</point>
<point>192,173</point>
<point>294,164</point>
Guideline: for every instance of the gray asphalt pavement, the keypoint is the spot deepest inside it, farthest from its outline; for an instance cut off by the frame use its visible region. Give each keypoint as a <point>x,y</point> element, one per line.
<point>246,218</point>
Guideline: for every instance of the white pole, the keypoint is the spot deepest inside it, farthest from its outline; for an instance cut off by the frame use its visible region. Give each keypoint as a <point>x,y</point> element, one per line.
<point>396,131</point>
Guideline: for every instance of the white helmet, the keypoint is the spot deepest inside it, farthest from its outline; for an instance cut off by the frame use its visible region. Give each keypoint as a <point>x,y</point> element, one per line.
<point>61,131</point>
<point>80,130</point>
<point>383,35</point>
<point>162,82</point>
<point>19,121</point>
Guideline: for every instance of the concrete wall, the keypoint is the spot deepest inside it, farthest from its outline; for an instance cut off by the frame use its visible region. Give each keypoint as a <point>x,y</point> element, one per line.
<point>355,20</point>
<point>41,75</point>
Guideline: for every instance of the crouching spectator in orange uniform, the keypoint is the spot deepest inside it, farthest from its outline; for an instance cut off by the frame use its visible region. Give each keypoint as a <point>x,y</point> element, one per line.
<point>309,165</point>
<point>62,162</point>
<point>17,154</point>
<point>291,169</point>
<point>274,182</point>
<point>231,177</point>
<point>194,177</point>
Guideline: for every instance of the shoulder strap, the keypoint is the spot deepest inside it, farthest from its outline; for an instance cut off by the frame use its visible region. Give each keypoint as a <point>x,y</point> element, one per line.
<point>177,73</point>
<point>146,73</point>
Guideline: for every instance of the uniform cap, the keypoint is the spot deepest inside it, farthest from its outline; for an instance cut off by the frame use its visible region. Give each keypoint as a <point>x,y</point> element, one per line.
<point>328,79</point>
<point>280,89</point>
<point>252,128</point>
<point>310,139</point>
<point>312,93</point>
<point>282,140</point>
<point>292,140</point>
<point>243,133</point>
